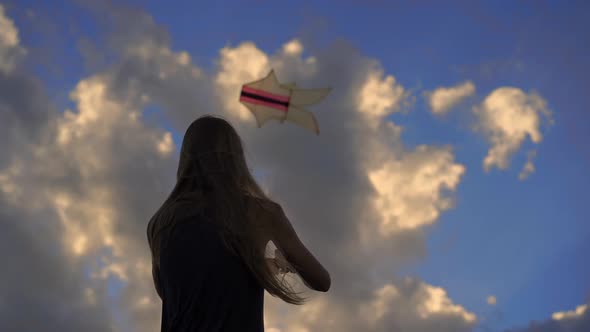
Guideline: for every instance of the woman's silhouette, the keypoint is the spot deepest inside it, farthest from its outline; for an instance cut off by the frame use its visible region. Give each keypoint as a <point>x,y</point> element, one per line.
<point>208,239</point>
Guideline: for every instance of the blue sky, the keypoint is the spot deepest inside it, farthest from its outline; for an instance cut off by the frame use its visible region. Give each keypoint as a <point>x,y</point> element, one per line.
<point>524,242</point>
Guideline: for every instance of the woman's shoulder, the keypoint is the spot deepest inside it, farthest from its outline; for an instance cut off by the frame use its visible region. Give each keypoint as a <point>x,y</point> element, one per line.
<point>264,211</point>
<point>261,202</point>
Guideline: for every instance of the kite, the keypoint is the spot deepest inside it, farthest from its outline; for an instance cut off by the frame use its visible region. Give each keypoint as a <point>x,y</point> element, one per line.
<point>267,99</point>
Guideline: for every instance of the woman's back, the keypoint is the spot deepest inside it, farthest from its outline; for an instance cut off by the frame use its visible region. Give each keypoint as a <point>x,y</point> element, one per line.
<point>204,287</point>
<point>211,275</point>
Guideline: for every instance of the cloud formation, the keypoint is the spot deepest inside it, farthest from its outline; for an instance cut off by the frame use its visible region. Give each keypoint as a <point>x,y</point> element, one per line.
<point>491,300</point>
<point>442,99</point>
<point>44,287</point>
<point>10,49</point>
<point>91,176</point>
<point>506,117</point>
<point>528,167</point>
<point>576,320</point>
<point>572,314</point>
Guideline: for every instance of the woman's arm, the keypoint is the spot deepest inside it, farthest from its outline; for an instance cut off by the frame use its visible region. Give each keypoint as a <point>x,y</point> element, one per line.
<point>279,264</point>
<point>156,278</point>
<point>314,275</point>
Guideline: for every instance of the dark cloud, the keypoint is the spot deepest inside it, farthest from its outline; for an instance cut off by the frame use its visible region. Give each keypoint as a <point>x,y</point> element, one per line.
<point>42,288</point>
<point>25,110</point>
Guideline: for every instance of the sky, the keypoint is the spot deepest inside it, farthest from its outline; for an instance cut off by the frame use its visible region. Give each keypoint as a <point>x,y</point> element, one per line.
<point>447,189</point>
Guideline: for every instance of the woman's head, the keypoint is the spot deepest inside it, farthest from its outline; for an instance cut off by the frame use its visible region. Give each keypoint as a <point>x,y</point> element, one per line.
<point>214,178</point>
<point>212,150</point>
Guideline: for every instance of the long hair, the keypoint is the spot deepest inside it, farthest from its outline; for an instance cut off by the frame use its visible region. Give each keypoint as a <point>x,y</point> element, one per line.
<point>213,176</point>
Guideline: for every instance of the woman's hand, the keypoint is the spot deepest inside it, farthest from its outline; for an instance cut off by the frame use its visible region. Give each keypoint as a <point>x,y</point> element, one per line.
<point>282,262</point>
<point>279,264</point>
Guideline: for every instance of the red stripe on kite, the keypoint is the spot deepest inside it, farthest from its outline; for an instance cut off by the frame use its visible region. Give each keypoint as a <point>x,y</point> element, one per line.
<point>263,103</point>
<point>266,94</point>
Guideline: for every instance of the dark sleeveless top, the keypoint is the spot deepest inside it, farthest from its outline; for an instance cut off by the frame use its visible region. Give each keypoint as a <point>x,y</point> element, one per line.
<point>205,288</point>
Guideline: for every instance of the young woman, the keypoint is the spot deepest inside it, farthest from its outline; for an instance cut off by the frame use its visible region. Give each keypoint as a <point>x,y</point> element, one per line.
<point>208,240</point>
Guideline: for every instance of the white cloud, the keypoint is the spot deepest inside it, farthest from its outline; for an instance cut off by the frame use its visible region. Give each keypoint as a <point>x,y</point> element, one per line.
<point>246,63</point>
<point>410,190</point>
<point>400,305</point>
<point>10,49</point>
<point>46,285</point>
<point>528,167</point>
<point>379,96</point>
<point>236,67</point>
<point>89,171</point>
<point>442,99</point>
<point>491,300</point>
<point>166,144</point>
<point>572,314</point>
<point>506,117</point>
<point>576,320</point>
<point>293,47</point>
<point>414,306</point>
<point>438,303</point>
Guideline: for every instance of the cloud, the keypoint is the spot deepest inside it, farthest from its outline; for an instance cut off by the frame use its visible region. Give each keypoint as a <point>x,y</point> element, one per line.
<point>92,170</point>
<point>572,314</point>
<point>86,173</point>
<point>69,202</point>
<point>43,286</point>
<point>294,47</point>
<point>491,300</point>
<point>528,167</point>
<point>410,190</point>
<point>406,304</point>
<point>380,96</point>
<point>24,106</point>
<point>506,117</point>
<point>10,49</point>
<point>576,320</point>
<point>237,66</point>
<point>121,157</point>
<point>442,99</point>
<point>414,306</point>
